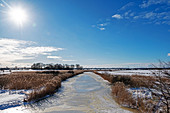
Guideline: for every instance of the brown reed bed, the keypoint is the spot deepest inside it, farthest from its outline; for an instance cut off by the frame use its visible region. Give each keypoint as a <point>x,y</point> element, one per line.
<point>132,81</point>
<point>42,83</point>
<point>120,83</point>
<point>51,86</point>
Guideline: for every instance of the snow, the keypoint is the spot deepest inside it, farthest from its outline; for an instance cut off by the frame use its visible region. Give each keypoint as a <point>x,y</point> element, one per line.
<point>9,71</point>
<point>5,72</point>
<point>11,98</point>
<point>135,72</point>
<point>140,92</point>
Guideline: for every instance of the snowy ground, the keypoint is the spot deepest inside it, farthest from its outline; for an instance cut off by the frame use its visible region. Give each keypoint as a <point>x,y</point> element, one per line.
<point>11,98</point>
<point>134,72</point>
<point>140,92</point>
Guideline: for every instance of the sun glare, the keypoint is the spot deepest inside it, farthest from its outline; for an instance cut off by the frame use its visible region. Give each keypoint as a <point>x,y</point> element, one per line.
<point>18,15</point>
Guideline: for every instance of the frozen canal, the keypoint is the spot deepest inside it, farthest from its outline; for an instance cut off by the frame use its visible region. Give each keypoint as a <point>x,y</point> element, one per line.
<point>85,93</point>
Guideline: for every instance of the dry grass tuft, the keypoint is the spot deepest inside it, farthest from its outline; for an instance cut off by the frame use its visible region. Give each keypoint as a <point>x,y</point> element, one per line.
<point>122,96</point>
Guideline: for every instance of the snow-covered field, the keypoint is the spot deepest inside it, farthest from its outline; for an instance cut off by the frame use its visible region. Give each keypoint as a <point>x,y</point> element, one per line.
<point>11,98</point>
<point>134,72</point>
<point>5,72</point>
<point>9,71</point>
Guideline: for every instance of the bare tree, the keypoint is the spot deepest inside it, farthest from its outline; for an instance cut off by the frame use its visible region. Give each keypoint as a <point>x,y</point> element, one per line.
<point>161,88</point>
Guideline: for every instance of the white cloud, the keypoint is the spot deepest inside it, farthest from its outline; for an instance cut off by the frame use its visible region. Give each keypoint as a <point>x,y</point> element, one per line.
<point>12,50</point>
<point>39,50</point>
<point>101,25</point>
<point>60,58</point>
<point>102,28</point>
<point>54,57</point>
<point>168,54</point>
<point>117,16</point>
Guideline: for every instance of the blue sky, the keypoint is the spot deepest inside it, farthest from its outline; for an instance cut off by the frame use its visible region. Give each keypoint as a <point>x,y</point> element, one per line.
<point>93,33</point>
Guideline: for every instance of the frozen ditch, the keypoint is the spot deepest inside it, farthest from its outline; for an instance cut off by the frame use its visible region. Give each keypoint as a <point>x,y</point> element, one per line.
<point>85,93</point>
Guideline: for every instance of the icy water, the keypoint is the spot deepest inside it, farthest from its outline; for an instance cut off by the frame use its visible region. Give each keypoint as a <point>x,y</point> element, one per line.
<point>85,93</point>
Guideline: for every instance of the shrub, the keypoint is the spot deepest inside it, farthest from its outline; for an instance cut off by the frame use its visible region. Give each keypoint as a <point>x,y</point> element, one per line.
<point>122,96</point>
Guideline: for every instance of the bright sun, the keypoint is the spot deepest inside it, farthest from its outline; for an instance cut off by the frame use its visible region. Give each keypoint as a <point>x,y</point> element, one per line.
<point>18,15</point>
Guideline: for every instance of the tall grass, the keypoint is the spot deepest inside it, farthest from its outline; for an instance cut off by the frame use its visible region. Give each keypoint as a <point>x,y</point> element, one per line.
<point>51,86</point>
<point>121,95</point>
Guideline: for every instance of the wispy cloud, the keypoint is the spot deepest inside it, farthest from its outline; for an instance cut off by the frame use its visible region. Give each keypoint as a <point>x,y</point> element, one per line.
<point>12,50</point>
<point>126,6</point>
<point>151,16</point>
<point>148,3</point>
<point>117,16</point>
<point>138,11</point>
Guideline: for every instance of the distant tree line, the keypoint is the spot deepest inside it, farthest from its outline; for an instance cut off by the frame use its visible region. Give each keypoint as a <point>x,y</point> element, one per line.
<point>56,66</point>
